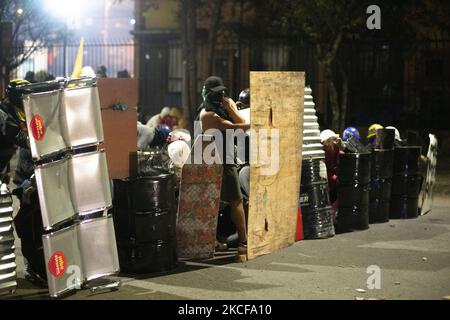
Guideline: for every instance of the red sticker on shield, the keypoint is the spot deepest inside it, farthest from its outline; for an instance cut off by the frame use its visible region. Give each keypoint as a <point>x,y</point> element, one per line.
<point>37,127</point>
<point>57,264</point>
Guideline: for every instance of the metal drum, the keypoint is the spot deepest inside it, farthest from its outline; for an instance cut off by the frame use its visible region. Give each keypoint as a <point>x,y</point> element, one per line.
<point>353,195</point>
<point>43,113</point>
<point>53,187</point>
<point>80,116</point>
<point>145,257</point>
<point>379,211</point>
<point>404,207</point>
<point>314,200</point>
<point>63,261</point>
<point>353,192</point>
<point>406,159</point>
<point>406,183</point>
<point>89,182</point>
<point>352,218</point>
<point>354,168</point>
<point>145,214</point>
<point>382,163</point>
<point>97,245</point>
<point>380,196</point>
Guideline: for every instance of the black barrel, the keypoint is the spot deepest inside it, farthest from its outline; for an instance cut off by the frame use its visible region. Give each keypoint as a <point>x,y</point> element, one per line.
<point>318,224</point>
<point>382,163</point>
<point>350,195</point>
<point>145,223</point>
<point>352,218</point>
<point>381,184</point>
<point>354,168</point>
<point>380,189</point>
<point>314,200</point>
<point>379,211</point>
<point>353,192</point>
<point>406,159</point>
<point>146,257</point>
<point>403,207</point>
<point>406,183</point>
<point>385,139</point>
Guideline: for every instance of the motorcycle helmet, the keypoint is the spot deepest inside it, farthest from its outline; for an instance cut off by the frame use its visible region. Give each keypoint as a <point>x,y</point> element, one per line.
<point>244,99</point>
<point>14,92</point>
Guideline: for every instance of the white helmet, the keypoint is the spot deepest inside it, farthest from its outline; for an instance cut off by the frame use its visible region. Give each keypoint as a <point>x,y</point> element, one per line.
<point>397,133</point>
<point>327,134</point>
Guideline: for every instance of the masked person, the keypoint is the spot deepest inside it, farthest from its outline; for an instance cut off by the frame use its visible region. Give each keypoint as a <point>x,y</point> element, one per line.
<point>220,113</point>
<point>28,222</point>
<point>13,128</point>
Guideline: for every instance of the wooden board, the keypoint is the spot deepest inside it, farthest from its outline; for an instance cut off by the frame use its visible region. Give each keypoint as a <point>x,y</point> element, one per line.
<point>277,103</point>
<point>120,127</point>
<point>120,131</point>
<point>117,90</point>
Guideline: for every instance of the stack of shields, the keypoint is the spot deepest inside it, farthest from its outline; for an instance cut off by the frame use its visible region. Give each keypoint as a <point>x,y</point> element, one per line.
<point>314,199</point>
<point>7,257</point>
<point>145,214</point>
<point>353,191</point>
<point>382,170</point>
<point>406,183</point>
<point>72,181</point>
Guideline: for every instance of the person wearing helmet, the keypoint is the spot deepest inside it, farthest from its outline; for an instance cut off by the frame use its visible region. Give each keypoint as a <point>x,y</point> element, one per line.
<point>333,146</point>
<point>372,133</point>
<point>351,132</point>
<point>221,113</point>
<point>13,128</point>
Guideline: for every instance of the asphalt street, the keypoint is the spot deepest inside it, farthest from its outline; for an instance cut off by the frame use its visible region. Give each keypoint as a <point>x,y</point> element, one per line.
<point>413,257</point>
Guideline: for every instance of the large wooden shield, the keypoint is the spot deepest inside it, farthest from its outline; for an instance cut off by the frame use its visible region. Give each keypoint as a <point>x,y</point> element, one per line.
<point>277,100</point>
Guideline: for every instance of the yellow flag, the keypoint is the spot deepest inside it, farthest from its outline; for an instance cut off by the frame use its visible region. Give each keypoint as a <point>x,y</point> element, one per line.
<point>79,61</point>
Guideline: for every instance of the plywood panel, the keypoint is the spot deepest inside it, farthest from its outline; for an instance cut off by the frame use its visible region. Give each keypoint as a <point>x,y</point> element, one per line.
<point>120,131</point>
<point>277,103</point>
<point>117,90</point>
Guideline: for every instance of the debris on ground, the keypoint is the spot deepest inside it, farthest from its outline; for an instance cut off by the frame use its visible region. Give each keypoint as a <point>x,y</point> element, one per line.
<point>361,290</point>
<point>424,259</point>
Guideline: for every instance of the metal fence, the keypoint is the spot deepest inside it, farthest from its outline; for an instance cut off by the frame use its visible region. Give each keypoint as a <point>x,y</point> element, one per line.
<point>115,56</point>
